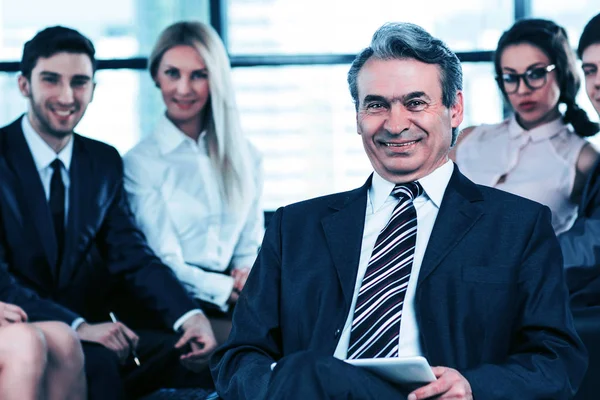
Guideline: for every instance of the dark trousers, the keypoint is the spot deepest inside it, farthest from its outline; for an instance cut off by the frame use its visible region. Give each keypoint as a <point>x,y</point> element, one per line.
<point>587,323</point>
<point>305,375</point>
<point>160,367</point>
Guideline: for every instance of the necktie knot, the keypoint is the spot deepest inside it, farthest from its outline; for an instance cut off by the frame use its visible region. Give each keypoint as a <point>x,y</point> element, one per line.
<point>410,190</point>
<point>56,164</point>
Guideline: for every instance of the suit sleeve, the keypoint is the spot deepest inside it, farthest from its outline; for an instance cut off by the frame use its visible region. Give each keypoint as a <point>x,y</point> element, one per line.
<point>37,308</point>
<point>581,251</point>
<point>548,360</point>
<point>581,243</point>
<point>125,248</point>
<point>241,367</point>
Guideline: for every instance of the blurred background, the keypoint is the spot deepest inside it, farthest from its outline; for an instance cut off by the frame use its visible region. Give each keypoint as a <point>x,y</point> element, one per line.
<point>289,58</point>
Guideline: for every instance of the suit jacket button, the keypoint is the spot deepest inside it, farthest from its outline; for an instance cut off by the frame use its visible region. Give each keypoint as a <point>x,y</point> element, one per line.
<point>338,332</point>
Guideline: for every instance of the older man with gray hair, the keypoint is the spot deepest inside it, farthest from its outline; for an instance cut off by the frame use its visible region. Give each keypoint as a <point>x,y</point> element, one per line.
<point>419,261</point>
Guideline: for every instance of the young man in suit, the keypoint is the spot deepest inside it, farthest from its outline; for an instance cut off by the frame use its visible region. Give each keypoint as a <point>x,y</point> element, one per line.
<point>581,244</point>
<point>467,276</point>
<point>68,234</point>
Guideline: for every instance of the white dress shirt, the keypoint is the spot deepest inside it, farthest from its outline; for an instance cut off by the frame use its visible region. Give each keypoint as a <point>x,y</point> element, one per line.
<point>175,195</point>
<point>43,156</point>
<point>539,164</point>
<point>380,204</point>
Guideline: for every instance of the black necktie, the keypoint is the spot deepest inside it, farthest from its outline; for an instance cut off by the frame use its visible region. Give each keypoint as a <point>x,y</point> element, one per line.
<point>378,311</point>
<point>57,207</point>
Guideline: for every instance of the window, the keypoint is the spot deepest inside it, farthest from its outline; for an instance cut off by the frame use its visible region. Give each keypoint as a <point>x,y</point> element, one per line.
<point>341,26</point>
<point>118,28</point>
<point>572,15</point>
<point>300,117</point>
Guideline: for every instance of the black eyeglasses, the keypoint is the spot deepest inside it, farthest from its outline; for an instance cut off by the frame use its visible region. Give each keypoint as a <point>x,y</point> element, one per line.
<point>534,78</point>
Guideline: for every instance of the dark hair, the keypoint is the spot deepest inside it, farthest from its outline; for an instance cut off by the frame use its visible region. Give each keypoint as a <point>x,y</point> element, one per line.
<point>53,40</point>
<point>552,39</point>
<point>405,40</point>
<point>590,35</point>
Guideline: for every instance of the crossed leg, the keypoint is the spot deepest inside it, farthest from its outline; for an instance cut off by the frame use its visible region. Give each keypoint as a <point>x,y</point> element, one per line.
<point>65,373</point>
<point>42,360</point>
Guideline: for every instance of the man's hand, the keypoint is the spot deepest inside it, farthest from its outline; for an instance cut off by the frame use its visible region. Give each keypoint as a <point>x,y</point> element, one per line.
<point>233,297</point>
<point>450,384</point>
<point>114,336</point>
<point>240,276</point>
<point>10,314</point>
<point>198,333</point>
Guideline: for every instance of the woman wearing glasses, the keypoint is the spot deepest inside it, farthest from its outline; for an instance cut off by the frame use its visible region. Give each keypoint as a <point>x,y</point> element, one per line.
<point>539,152</point>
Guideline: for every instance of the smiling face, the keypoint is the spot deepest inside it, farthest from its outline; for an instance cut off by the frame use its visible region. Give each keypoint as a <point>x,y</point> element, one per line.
<point>59,90</point>
<point>534,107</point>
<point>406,130</point>
<point>591,65</point>
<point>183,81</point>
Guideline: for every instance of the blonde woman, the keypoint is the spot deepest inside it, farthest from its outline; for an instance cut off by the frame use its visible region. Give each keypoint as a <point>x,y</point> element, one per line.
<point>195,182</point>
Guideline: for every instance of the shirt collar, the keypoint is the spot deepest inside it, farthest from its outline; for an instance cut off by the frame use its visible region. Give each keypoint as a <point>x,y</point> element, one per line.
<point>42,153</point>
<point>170,137</point>
<point>434,185</point>
<point>542,132</point>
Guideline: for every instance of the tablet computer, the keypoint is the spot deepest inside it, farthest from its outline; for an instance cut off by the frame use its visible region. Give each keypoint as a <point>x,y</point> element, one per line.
<point>401,370</point>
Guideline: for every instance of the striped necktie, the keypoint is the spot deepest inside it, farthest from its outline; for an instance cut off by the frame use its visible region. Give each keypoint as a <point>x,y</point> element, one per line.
<point>376,323</point>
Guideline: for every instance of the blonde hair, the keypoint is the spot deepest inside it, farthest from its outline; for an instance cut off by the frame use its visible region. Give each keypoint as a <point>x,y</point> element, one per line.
<point>226,145</point>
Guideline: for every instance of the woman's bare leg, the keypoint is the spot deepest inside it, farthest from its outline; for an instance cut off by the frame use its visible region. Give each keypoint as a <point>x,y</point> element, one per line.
<point>22,362</point>
<point>65,374</point>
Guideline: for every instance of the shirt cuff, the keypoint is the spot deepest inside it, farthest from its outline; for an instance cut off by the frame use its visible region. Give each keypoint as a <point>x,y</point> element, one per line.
<point>177,325</point>
<point>75,324</point>
<point>217,290</point>
<point>243,261</point>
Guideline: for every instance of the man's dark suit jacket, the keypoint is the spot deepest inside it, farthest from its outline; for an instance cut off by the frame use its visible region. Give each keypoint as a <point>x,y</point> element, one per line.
<point>581,247</point>
<point>102,244</point>
<point>490,302</point>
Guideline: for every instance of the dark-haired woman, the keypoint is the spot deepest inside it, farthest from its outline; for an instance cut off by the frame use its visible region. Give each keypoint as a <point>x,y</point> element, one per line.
<point>539,152</point>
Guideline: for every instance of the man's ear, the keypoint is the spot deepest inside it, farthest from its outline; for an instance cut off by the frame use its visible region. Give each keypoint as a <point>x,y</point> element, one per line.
<point>457,109</point>
<point>24,85</point>
<point>93,91</point>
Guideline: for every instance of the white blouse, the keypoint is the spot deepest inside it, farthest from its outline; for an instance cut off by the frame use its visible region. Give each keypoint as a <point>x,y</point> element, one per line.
<point>539,164</point>
<point>175,196</point>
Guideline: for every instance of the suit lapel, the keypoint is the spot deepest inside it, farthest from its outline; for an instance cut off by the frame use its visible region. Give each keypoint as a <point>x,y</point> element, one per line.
<point>79,175</point>
<point>344,231</point>
<point>20,160</point>
<point>590,192</point>
<point>460,210</point>
<point>9,193</point>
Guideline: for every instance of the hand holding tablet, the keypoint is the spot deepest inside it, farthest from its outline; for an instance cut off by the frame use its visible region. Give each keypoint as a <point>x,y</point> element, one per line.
<point>401,370</point>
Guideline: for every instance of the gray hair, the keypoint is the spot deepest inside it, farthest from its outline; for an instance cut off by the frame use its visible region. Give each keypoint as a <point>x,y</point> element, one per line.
<point>403,40</point>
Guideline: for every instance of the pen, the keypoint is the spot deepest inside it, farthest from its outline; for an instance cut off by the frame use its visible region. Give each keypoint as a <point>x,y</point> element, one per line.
<point>133,353</point>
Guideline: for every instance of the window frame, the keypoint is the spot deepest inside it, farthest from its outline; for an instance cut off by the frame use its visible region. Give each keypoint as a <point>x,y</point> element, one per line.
<point>218,13</point>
